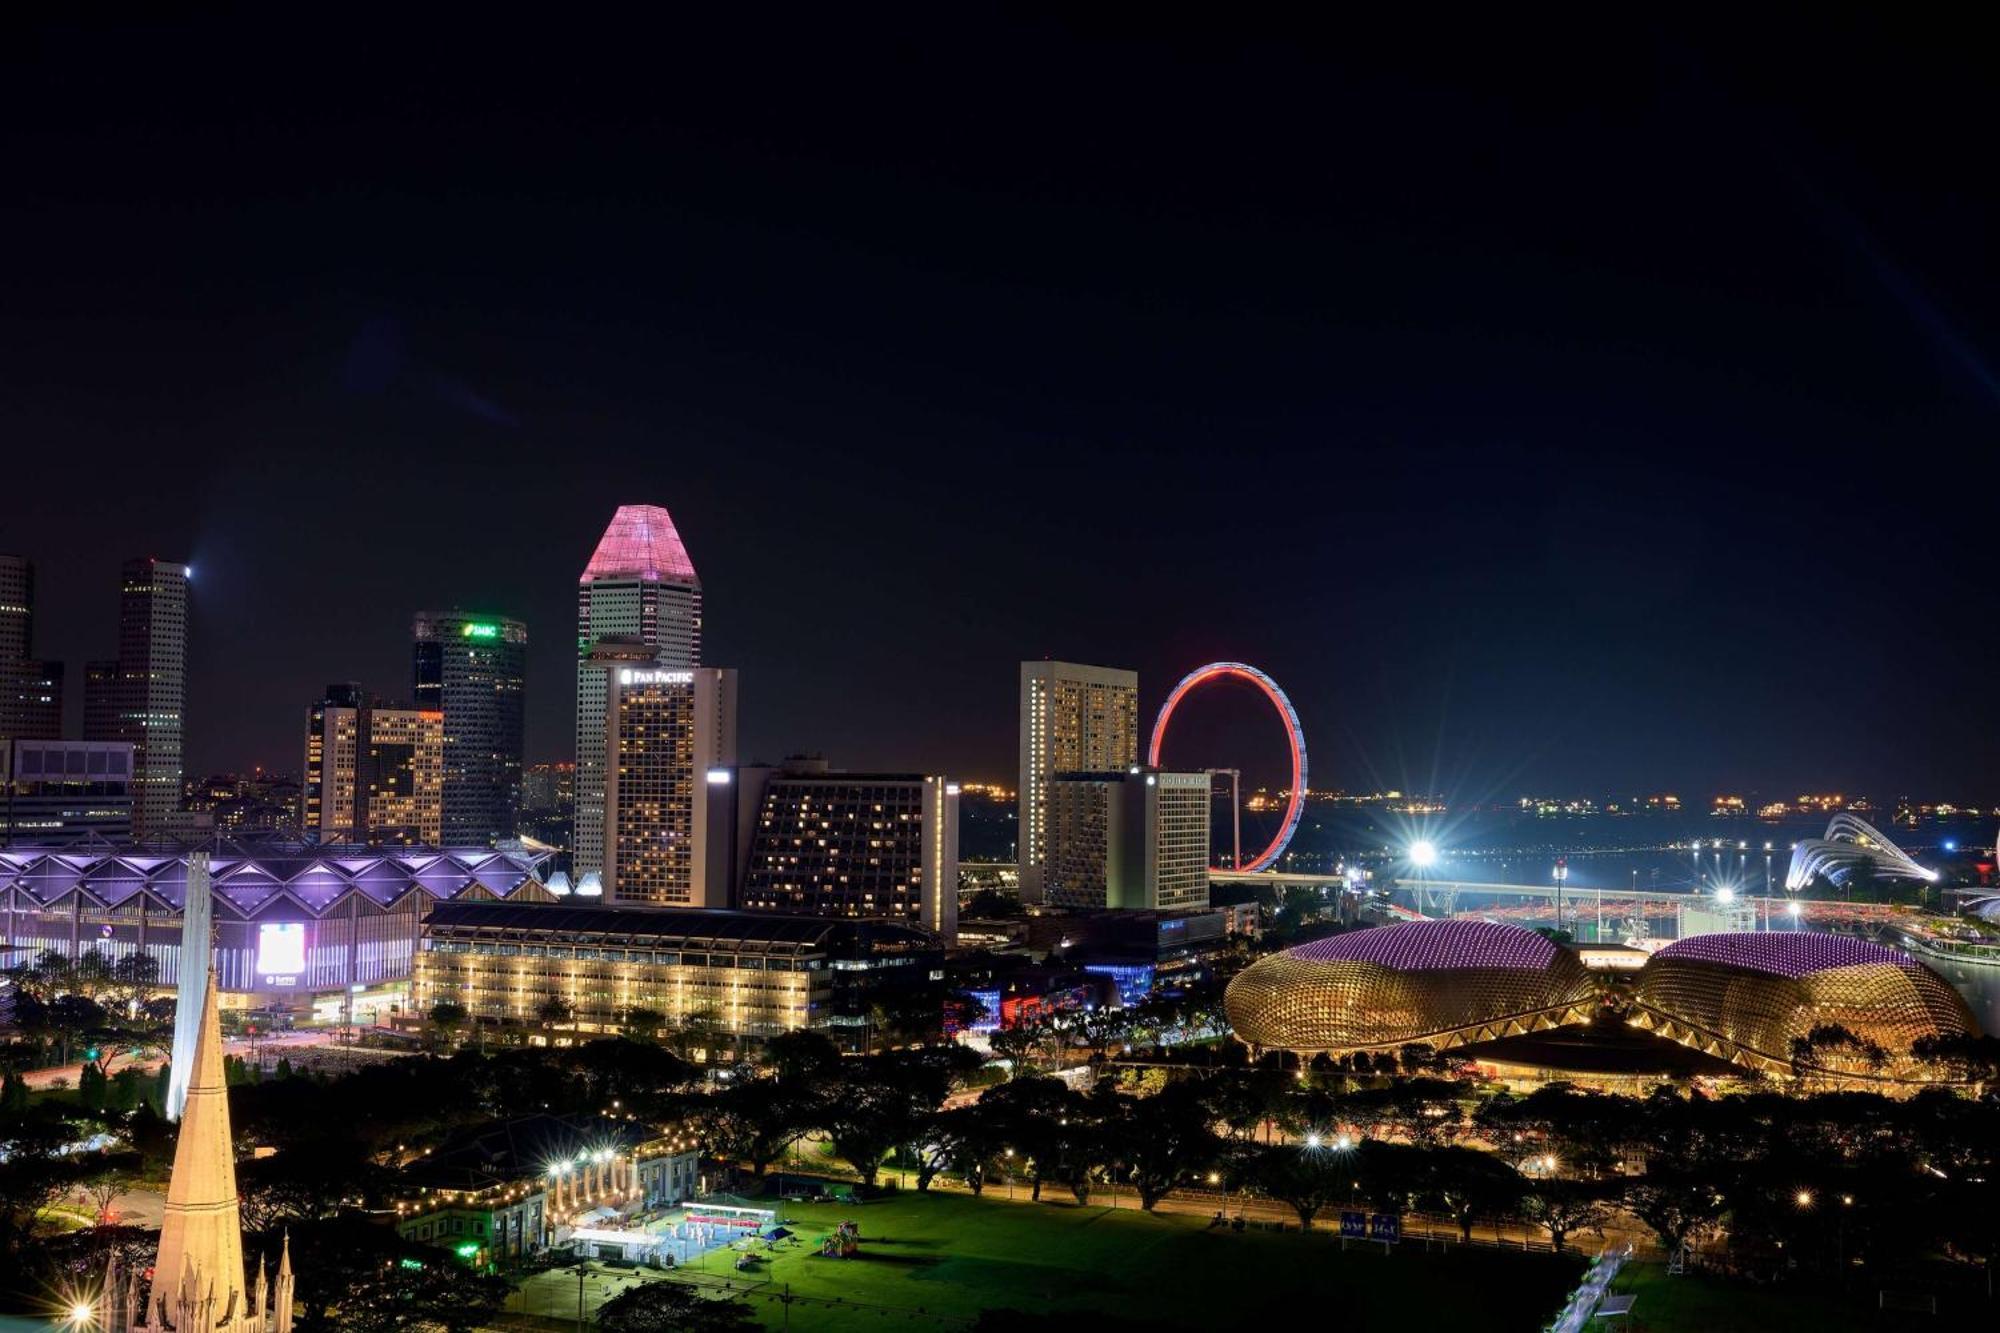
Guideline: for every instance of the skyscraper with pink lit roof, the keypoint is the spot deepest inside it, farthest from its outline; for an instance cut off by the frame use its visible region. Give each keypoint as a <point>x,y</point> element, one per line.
<point>639,591</point>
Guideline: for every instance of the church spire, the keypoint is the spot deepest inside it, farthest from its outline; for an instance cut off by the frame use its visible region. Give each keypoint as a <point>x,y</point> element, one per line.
<point>201,1239</point>
<point>281,1296</point>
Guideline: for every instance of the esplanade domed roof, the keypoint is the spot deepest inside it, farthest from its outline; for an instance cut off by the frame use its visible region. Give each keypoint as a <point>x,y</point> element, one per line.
<point>1438,982</point>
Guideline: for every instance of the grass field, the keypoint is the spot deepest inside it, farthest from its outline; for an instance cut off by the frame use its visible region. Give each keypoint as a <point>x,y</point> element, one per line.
<point>938,1260</point>
<point>1699,1304</point>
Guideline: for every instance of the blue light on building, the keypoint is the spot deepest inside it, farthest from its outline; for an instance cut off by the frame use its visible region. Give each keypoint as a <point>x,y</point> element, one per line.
<point>1133,980</point>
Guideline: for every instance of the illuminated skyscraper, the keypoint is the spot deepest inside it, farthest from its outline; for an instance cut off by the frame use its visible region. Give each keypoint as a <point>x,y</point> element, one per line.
<point>1074,718</point>
<point>30,690</point>
<point>143,700</point>
<point>473,668</point>
<point>639,590</point>
<point>671,734</point>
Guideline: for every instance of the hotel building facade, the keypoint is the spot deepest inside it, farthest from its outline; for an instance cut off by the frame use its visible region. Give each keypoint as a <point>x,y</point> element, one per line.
<point>853,844</point>
<point>1074,718</point>
<point>1129,838</point>
<point>670,738</point>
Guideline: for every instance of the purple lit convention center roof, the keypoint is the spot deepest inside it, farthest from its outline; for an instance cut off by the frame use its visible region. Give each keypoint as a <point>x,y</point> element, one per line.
<point>251,877</point>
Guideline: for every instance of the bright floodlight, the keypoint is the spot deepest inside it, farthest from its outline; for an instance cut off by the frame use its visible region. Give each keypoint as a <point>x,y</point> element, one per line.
<point>1423,852</point>
<point>1795,907</point>
<point>1725,894</point>
<point>1312,1140</point>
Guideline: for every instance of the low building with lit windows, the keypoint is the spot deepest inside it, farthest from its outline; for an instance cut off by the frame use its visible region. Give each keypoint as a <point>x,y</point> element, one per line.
<point>496,1194</point>
<point>56,793</point>
<point>741,975</point>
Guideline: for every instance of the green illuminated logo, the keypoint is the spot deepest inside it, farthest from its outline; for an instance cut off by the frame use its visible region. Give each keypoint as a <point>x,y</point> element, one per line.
<point>477,631</point>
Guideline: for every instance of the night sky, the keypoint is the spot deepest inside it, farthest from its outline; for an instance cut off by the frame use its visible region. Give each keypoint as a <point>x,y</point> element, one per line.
<point>1576,409</point>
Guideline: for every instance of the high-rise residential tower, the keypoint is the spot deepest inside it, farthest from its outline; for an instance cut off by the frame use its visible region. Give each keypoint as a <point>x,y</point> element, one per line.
<point>1074,718</point>
<point>30,689</point>
<point>374,772</point>
<point>639,591</point>
<point>143,699</point>
<point>671,734</point>
<point>473,669</point>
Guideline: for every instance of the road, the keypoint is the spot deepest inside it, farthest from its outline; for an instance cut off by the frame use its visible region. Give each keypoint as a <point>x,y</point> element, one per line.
<point>67,1075</point>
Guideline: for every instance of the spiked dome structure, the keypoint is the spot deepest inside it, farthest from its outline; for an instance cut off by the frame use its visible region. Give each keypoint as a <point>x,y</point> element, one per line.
<point>198,1276</point>
<point>1443,983</point>
<point>1746,997</point>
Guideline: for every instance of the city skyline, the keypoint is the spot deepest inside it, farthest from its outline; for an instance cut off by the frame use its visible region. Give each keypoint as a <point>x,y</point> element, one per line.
<point>1567,494</point>
<point>998,668</point>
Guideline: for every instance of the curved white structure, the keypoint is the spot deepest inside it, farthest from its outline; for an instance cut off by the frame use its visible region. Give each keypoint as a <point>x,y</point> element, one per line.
<point>1850,841</point>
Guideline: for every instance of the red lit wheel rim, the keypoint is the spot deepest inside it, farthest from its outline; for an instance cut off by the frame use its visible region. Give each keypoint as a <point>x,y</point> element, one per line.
<point>1295,737</point>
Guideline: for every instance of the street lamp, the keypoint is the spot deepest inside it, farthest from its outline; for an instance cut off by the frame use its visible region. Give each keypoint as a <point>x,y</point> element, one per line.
<point>1804,1199</point>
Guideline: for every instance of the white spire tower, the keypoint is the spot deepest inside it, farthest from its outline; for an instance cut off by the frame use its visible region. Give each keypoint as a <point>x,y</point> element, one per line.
<point>196,950</point>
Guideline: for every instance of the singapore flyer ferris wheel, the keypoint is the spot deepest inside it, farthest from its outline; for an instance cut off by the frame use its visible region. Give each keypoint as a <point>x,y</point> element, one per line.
<point>1294,736</point>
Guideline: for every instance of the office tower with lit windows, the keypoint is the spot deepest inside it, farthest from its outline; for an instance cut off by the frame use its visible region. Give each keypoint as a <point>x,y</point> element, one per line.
<point>827,843</point>
<point>17,608</point>
<point>374,772</point>
<point>473,668</point>
<point>671,735</point>
<point>31,690</point>
<point>639,588</point>
<point>100,699</point>
<point>1128,838</point>
<point>1074,718</point>
<point>142,698</point>
<point>548,788</point>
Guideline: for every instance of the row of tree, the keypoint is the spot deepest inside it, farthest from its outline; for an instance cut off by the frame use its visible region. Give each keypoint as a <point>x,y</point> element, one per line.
<point>92,1008</point>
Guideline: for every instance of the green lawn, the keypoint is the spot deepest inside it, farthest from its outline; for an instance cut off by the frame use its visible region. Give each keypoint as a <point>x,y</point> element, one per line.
<point>938,1260</point>
<point>1700,1304</point>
